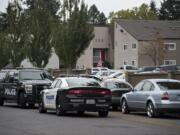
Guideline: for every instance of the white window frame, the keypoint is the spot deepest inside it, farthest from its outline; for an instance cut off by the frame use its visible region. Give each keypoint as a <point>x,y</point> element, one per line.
<point>173,62</point>
<point>124,47</point>
<point>170,49</point>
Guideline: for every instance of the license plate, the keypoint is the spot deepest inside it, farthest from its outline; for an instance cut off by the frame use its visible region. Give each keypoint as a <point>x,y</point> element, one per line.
<point>90,101</point>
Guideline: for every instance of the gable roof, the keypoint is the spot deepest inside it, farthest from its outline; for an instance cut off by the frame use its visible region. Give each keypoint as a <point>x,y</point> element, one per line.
<point>146,29</point>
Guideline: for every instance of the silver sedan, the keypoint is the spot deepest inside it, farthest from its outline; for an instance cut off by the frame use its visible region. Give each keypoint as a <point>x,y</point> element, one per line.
<point>155,96</point>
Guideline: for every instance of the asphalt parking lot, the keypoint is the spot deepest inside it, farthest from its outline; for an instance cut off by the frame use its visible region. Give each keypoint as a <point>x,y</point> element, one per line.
<point>16,121</point>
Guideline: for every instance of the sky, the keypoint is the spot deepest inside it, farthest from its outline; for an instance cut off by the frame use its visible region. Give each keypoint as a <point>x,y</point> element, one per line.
<point>105,6</point>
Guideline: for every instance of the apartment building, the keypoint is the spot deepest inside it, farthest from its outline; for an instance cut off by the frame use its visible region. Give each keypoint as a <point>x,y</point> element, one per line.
<point>132,37</point>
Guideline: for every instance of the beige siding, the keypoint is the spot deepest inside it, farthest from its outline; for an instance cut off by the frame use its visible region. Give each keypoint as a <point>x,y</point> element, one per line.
<point>101,40</point>
<point>122,37</point>
<point>145,60</point>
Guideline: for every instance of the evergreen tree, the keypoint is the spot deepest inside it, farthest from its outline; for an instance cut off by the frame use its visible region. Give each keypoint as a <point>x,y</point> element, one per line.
<point>102,19</point>
<point>153,7</point>
<point>39,44</point>
<point>73,34</point>
<point>15,33</point>
<point>93,14</point>
<point>170,10</point>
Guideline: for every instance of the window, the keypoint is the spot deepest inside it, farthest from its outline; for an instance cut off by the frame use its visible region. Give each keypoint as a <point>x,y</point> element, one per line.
<point>134,62</point>
<point>148,86</point>
<point>169,62</point>
<point>58,84</point>
<point>125,47</point>
<point>138,87</point>
<point>133,46</point>
<point>125,62</point>
<point>170,46</point>
<point>54,83</point>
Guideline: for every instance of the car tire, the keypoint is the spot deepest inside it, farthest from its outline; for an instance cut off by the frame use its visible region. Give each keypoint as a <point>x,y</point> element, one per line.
<point>59,110</point>
<point>151,112</point>
<point>103,113</point>
<point>1,101</point>
<point>124,107</point>
<point>31,105</point>
<point>80,112</point>
<point>22,100</point>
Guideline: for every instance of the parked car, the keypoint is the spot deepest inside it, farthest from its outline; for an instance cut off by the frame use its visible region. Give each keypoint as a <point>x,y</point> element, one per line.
<point>118,75</point>
<point>75,94</point>
<point>117,88</point>
<point>129,68</point>
<point>169,68</point>
<point>23,86</point>
<point>154,96</point>
<point>96,70</point>
<point>147,69</point>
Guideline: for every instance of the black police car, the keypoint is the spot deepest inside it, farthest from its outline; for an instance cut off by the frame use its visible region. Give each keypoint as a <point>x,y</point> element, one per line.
<point>23,86</point>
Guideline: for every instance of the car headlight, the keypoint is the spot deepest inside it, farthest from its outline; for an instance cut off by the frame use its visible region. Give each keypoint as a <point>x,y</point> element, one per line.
<point>28,89</point>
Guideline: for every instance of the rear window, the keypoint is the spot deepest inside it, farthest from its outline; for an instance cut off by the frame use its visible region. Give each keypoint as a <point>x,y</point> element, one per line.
<point>169,85</point>
<point>82,82</point>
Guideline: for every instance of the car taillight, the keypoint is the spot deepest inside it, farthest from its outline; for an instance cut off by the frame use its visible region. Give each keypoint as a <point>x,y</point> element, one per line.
<point>76,92</point>
<point>165,96</point>
<point>81,92</point>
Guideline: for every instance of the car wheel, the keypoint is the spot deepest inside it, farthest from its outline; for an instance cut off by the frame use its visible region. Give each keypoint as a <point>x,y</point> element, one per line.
<point>80,112</point>
<point>1,101</point>
<point>41,107</point>
<point>22,101</point>
<point>31,105</point>
<point>59,110</point>
<point>151,111</point>
<point>124,107</point>
<point>103,113</point>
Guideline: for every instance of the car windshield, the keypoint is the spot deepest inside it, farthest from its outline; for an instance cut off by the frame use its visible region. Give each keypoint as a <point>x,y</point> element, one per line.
<point>82,82</point>
<point>169,85</point>
<point>2,75</point>
<point>31,75</point>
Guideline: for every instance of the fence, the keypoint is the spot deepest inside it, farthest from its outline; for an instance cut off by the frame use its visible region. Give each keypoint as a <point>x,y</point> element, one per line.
<point>135,78</point>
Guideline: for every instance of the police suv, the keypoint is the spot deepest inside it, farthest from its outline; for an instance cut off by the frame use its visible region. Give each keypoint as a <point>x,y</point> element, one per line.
<point>23,86</point>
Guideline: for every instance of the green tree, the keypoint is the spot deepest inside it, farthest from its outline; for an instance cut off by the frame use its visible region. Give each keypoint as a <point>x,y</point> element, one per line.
<point>51,5</point>
<point>170,10</point>
<point>39,44</point>
<point>15,36</point>
<point>73,34</point>
<point>143,12</point>
<point>102,19</point>
<point>153,7</point>
<point>93,14</point>
<point>4,55</point>
<point>95,17</point>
